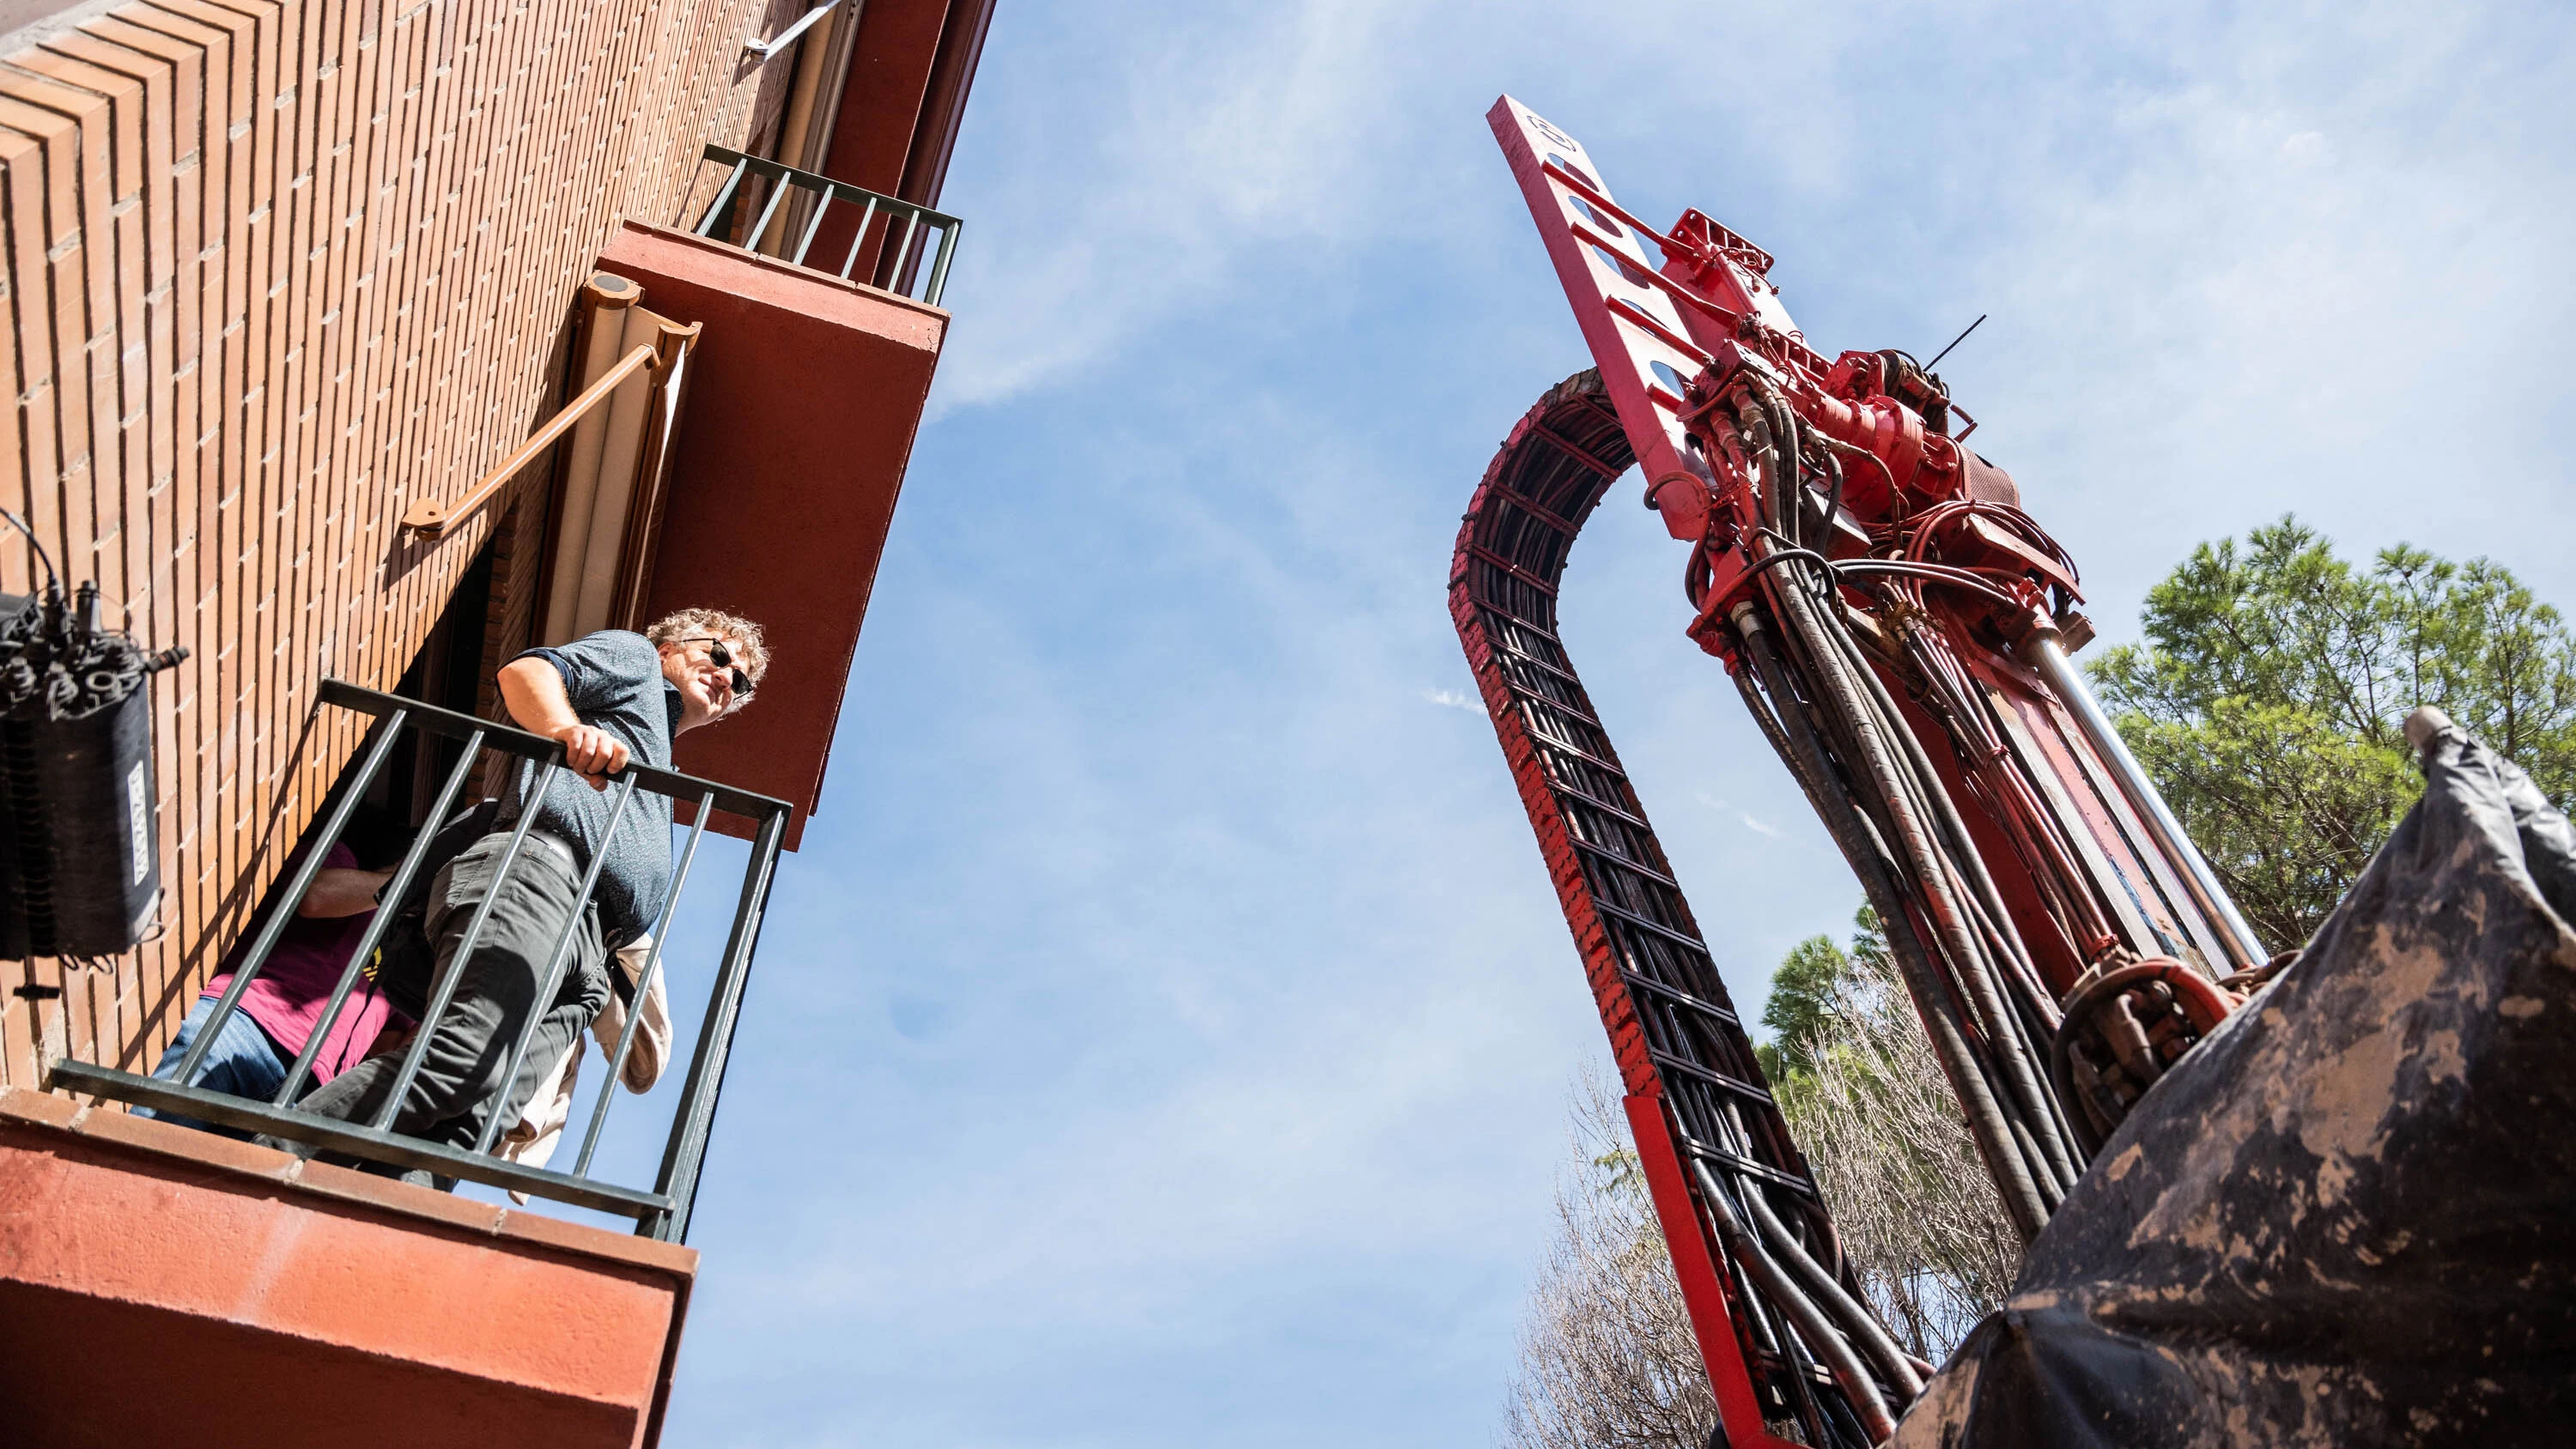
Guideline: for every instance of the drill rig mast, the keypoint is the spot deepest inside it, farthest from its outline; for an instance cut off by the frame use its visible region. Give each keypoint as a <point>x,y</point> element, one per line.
<point>1899,629</point>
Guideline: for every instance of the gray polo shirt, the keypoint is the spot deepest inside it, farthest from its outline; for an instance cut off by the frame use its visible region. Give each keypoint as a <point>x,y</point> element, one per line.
<point>614,680</point>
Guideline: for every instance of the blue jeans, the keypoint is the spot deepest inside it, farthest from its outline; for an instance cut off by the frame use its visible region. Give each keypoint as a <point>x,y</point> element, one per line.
<point>243,1061</point>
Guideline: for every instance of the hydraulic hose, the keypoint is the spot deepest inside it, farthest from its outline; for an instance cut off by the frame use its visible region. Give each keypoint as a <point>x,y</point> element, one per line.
<point>1861,1325</point>
<point>1866,851</point>
<point>1939,869</point>
<point>1971,1078</point>
<point>1813,1328</point>
<point>1863,710</point>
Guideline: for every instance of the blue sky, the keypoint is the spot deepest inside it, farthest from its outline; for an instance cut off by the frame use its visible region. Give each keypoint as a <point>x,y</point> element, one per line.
<point>1163,1037</point>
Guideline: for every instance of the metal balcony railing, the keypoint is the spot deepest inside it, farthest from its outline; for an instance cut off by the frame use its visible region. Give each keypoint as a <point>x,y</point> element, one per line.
<point>661,1211</point>
<point>897,262</point>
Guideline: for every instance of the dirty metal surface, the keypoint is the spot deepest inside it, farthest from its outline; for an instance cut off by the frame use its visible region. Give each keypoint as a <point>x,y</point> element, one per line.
<point>2344,1218</point>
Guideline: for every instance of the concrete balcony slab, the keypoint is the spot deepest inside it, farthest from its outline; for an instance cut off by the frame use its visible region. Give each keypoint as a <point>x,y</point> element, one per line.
<point>163,1286</point>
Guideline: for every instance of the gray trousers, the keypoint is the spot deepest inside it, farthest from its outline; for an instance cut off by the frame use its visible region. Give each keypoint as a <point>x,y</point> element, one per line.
<point>460,1076</point>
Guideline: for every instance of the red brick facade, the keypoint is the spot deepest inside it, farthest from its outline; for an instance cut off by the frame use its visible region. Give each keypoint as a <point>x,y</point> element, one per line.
<point>273,271</point>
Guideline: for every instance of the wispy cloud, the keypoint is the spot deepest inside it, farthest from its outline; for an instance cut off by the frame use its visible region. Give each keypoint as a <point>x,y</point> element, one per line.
<point>1454,699</point>
<point>1759,827</point>
<point>1141,185</point>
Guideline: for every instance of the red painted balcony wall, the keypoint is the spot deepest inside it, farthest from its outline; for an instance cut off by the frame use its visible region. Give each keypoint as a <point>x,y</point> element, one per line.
<point>163,1286</point>
<point>792,447</point>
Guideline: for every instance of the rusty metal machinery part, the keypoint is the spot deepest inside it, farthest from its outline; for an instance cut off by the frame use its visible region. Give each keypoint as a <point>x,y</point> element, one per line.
<point>2126,1023</point>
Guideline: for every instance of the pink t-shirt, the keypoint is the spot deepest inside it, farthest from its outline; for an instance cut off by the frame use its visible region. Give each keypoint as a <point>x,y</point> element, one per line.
<point>290,992</point>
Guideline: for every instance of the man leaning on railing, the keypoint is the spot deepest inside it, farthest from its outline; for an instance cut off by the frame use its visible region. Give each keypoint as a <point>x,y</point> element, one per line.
<point>609,698</point>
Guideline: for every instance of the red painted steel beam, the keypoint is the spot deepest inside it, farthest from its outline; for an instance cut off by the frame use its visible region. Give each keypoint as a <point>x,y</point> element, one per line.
<point>1695,1267</point>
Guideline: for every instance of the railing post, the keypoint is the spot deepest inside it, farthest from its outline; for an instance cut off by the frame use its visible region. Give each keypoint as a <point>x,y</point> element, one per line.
<point>388,900</point>
<point>444,991</point>
<point>859,238</point>
<point>552,982</point>
<point>724,197</point>
<point>779,186</point>
<point>686,1155</point>
<point>900,262</point>
<point>643,986</point>
<point>939,269</point>
<point>247,970</point>
<point>813,224</point>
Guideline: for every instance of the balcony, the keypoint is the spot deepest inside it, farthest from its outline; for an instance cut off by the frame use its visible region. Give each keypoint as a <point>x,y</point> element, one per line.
<point>283,1301</point>
<point>808,388</point>
<point>159,1285</point>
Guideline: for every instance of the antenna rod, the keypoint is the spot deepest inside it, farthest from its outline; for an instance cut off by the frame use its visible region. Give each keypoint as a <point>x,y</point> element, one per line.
<point>1955,341</point>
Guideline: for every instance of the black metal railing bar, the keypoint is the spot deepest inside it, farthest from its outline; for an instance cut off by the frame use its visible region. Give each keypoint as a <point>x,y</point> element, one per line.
<point>662,1211</point>
<point>546,989</point>
<point>368,941</point>
<point>643,987</point>
<point>918,221</point>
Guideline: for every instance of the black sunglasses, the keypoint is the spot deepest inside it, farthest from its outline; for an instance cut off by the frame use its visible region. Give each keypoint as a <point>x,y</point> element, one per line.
<point>721,657</point>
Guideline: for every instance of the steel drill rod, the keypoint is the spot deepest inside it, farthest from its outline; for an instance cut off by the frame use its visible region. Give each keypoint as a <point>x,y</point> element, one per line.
<point>2041,651</point>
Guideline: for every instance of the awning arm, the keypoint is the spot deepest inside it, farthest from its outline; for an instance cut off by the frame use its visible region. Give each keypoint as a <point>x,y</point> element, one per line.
<point>764,49</point>
<point>434,521</point>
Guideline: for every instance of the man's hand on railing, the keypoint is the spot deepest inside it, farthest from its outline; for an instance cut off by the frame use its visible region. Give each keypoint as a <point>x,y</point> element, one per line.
<point>534,694</point>
<point>592,752</point>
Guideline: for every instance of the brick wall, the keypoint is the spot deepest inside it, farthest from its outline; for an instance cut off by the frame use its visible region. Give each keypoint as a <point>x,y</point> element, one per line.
<point>272,271</point>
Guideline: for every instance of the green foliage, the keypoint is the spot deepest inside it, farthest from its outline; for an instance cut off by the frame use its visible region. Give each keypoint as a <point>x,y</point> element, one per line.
<point>2268,697</point>
<point>1621,1173</point>
<point>1808,990</point>
<point>1800,1009</point>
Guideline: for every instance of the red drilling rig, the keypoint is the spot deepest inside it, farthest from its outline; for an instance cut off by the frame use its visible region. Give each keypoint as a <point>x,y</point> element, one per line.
<point>1899,628</point>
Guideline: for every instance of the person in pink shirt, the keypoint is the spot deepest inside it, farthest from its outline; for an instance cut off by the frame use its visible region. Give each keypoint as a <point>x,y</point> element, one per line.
<point>283,1004</point>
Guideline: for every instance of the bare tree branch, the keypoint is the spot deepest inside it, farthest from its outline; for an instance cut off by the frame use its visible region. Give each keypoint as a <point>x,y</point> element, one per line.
<point>1607,1360</point>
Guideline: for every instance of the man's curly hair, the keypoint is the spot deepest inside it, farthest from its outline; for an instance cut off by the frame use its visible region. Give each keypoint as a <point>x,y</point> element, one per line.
<point>703,623</point>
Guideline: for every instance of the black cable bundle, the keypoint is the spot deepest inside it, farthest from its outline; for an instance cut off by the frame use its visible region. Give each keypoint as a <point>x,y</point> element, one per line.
<point>1860,763</point>
<point>80,860</point>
